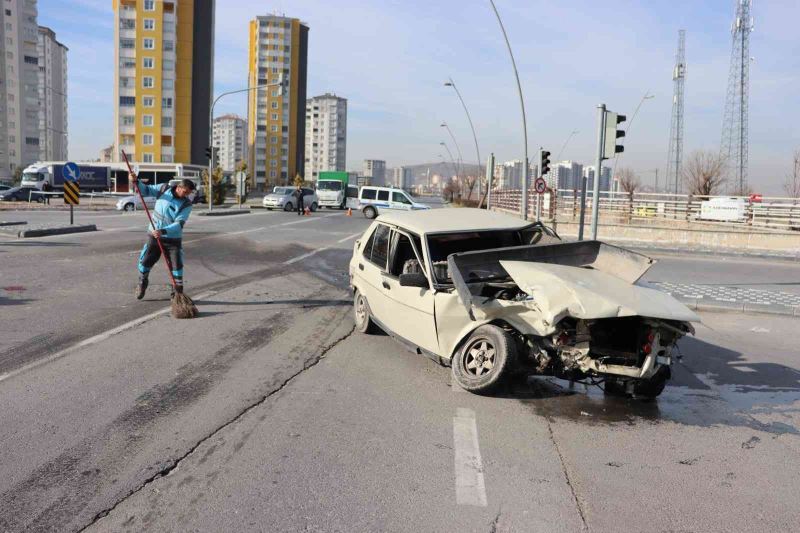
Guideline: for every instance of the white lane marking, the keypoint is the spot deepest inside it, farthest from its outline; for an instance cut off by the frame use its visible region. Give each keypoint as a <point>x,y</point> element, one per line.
<point>470,489</point>
<point>318,250</point>
<point>96,339</point>
<point>308,219</point>
<point>454,386</point>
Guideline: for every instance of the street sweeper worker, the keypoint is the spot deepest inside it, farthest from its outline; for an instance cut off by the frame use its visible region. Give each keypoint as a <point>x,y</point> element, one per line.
<point>172,210</point>
<point>300,193</point>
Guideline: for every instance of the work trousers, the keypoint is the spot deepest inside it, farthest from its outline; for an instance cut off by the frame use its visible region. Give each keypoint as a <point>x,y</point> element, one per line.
<point>151,254</point>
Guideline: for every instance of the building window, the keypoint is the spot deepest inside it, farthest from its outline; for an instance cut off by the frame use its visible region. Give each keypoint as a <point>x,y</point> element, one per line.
<point>148,101</point>
<point>166,103</point>
<point>273,163</point>
<point>128,120</point>
<point>127,24</point>
<point>274,105</point>
<point>168,64</point>
<point>148,62</point>
<point>147,139</point>
<point>127,62</point>
<point>166,122</point>
<point>126,101</point>
<point>147,120</point>
<point>169,46</point>
<point>149,44</point>
<point>273,174</point>
<point>149,5</point>
<point>32,141</point>
<point>32,60</point>
<point>166,158</point>
<point>168,84</point>
<point>149,24</point>
<point>147,82</point>
<point>147,158</point>
<point>274,127</point>
<point>273,140</point>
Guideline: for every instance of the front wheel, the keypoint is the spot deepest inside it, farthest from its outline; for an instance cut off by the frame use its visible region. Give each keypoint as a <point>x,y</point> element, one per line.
<point>370,212</point>
<point>288,206</point>
<point>362,315</point>
<point>128,207</point>
<point>484,359</point>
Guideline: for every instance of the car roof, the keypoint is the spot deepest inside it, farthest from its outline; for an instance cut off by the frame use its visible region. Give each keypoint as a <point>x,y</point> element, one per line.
<point>451,220</point>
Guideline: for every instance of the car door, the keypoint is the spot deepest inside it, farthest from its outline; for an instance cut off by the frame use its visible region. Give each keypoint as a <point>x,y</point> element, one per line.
<point>410,309</point>
<point>400,201</point>
<point>371,267</point>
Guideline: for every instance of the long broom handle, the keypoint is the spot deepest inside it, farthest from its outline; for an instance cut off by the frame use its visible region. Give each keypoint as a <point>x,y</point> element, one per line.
<point>150,218</point>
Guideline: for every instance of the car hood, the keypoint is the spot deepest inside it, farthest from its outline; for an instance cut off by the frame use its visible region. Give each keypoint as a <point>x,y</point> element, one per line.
<point>274,197</point>
<point>560,290</point>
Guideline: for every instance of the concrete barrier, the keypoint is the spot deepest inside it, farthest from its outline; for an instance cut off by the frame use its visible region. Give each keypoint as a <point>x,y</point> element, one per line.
<point>55,230</point>
<point>223,212</point>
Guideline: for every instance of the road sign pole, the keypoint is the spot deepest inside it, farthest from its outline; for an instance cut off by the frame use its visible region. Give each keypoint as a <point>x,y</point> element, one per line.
<point>601,133</point>
<point>71,220</point>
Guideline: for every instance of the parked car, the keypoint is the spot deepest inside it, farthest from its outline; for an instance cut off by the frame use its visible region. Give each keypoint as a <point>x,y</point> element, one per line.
<point>4,187</point>
<point>375,200</point>
<point>286,198</point>
<point>129,203</point>
<point>22,194</point>
<point>488,294</point>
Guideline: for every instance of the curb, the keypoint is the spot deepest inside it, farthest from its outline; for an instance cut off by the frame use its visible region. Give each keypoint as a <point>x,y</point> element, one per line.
<point>704,304</point>
<point>61,230</point>
<point>223,213</point>
<point>20,223</point>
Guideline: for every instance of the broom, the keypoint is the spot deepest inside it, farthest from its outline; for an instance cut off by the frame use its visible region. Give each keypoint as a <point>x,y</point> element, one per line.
<point>182,305</point>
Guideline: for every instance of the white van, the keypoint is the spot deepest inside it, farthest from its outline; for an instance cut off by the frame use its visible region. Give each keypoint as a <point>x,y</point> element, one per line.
<point>375,199</point>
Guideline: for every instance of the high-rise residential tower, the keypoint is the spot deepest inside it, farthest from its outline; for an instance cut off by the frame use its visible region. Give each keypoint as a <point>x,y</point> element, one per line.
<point>164,67</point>
<point>52,97</point>
<point>19,92</point>
<point>276,122</point>
<point>375,171</point>
<point>326,134</point>
<point>230,140</point>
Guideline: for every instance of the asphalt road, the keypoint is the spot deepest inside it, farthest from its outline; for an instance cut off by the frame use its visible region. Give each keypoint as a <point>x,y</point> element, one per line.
<point>267,413</point>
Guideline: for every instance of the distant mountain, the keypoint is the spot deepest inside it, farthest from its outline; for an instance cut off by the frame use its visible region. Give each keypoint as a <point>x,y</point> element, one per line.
<point>420,171</point>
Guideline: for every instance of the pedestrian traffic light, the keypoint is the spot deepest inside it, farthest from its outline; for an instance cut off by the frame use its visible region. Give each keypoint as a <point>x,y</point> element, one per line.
<point>611,148</point>
<point>544,162</point>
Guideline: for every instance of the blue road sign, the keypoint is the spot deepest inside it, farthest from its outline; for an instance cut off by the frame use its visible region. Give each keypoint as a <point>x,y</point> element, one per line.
<point>71,171</point>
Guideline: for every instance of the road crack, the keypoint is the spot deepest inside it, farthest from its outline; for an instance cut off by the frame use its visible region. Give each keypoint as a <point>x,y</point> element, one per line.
<point>578,506</point>
<point>175,463</point>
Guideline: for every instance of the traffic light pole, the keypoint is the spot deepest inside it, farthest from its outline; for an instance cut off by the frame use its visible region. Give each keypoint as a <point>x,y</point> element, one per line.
<point>601,133</point>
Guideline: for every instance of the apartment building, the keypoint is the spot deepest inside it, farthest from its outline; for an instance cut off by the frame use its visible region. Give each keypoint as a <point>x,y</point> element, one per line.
<point>276,119</point>
<point>163,73</point>
<point>52,56</point>
<point>374,171</point>
<point>326,134</point>
<point>230,140</point>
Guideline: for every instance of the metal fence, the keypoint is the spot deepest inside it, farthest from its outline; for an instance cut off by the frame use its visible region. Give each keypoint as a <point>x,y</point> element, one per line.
<point>620,207</point>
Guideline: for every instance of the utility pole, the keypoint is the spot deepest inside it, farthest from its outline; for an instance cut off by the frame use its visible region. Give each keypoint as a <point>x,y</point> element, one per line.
<point>675,152</point>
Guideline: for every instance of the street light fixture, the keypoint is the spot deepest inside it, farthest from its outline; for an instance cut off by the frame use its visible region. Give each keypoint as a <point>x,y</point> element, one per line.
<point>452,161</point>
<point>451,83</point>
<point>458,149</point>
<point>524,120</point>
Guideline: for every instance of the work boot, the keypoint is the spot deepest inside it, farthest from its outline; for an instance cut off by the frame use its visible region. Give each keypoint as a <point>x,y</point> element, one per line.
<point>141,287</point>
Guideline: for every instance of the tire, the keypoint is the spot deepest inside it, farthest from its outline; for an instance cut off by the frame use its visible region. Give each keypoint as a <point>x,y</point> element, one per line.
<point>370,212</point>
<point>314,207</point>
<point>484,360</point>
<point>614,387</point>
<point>127,207</point>
<point>649,389</point>
<point>362,316</point>
<point>268,208</point>
<point>288,206</point>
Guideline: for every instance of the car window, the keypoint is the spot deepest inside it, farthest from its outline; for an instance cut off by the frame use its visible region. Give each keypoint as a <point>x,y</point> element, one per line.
<point>404,259</point>
<point>368,194</point>
<point>309,191</point>
<point>380,246</point>
<point>352,192</point>
<point>383,195</point>
<point>400,198</point>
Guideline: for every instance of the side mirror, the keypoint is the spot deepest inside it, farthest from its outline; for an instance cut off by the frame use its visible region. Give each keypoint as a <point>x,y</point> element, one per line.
<point>414,280</point>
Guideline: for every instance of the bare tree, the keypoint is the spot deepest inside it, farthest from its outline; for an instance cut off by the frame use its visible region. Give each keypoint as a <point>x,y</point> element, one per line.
<point>791,184</point>
<point>628,180</point>
<point>704,173</point>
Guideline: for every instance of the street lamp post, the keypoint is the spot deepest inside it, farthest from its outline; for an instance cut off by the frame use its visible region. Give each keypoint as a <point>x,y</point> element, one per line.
<point>458,148</point>
<point>569,138</point>
<point>451,83</point>
<point>211,133</point>
<point>452,161</point>
<point>646,96</point>
<point>524,120</point>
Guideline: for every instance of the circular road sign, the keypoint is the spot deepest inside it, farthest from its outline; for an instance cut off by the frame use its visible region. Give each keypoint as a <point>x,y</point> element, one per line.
<point>71,171</point>
<point>540,185</point>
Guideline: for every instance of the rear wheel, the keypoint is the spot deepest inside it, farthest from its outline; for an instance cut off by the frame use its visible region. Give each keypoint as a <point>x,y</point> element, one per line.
<point>485,359</point>
<point>650,388</point>
<point>314,207</point>
<point>362,314</point>
<point>370,212</point>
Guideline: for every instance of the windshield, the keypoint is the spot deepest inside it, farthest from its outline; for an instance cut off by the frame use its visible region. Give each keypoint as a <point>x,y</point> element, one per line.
<point>442,245</point>
<point>329,185</point>
<point>282,191</point>
<point>32,176</point>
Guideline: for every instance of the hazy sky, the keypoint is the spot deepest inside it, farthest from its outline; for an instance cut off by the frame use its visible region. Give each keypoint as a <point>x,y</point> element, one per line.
<point>389,58</point>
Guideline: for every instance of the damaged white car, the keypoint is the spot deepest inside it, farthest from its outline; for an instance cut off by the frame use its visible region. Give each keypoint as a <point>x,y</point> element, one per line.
<point>489,294</point>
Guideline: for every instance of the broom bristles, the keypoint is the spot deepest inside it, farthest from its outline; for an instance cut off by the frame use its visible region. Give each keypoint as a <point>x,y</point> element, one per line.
<point>183,306</point>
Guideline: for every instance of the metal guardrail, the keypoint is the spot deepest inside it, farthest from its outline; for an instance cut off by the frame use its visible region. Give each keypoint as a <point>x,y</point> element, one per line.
<point>767,212</point>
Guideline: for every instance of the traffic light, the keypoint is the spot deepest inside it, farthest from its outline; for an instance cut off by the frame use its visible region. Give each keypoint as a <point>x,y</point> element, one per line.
<point>611,148</point>
<point>283,84</point>
<point>544,162</point>
<point>208,152</point>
